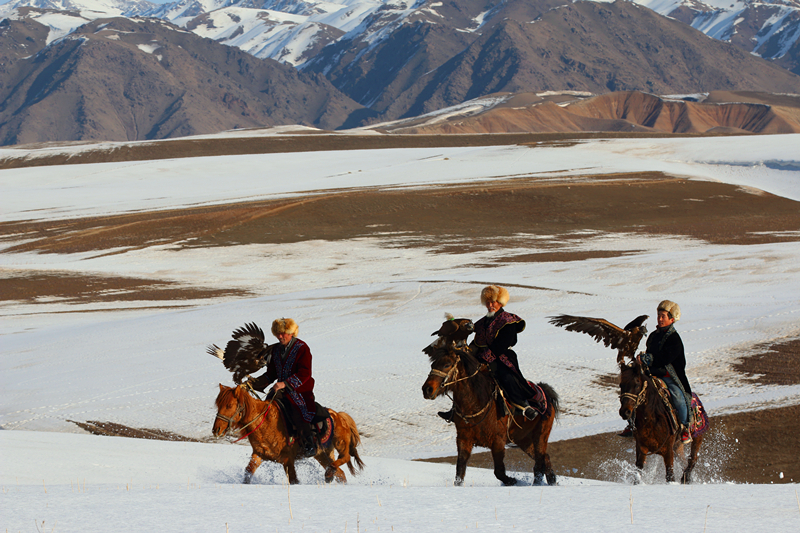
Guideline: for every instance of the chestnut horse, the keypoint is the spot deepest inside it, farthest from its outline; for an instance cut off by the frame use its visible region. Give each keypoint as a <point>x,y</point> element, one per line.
<point>480,419</point>
<point>652,421</point>
<point>262,423</point>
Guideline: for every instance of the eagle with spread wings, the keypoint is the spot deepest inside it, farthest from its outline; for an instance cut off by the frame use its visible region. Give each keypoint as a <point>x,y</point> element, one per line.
<point>625,340</point>
<point>245,354</point>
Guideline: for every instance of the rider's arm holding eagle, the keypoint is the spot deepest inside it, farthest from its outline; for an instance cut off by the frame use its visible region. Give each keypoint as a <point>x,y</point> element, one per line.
<point>624,340</point>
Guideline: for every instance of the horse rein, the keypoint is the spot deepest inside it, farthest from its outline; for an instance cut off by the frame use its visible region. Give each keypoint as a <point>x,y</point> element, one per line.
<point>453,373</point>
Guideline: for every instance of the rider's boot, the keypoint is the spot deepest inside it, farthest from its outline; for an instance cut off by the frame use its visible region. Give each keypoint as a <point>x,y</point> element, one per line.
<point>686,436</point>
<point>533,408</point>
<point>532,411</point>
<point>306,434</point>
<point>448,416</point>
<point>308,439</point>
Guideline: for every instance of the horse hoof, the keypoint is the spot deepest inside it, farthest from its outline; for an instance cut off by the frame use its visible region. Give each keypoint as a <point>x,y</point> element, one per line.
<point>551,479</point>
<point>458,482</point>
<point>509,481</point>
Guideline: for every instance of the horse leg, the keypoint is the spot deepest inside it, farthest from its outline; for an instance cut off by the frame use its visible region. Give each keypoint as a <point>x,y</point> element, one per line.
<point>291,473</point>
<point>464,451</point>
<point>498,455</point>
<point>686,478</point>
<point>252,466</point>
<point>669,461</point>
<point>331,467</point>
<point>542,468</point>
<point>640,459</point>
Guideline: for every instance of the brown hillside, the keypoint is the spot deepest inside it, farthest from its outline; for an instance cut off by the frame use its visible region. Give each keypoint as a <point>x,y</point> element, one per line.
<point>631,111</point>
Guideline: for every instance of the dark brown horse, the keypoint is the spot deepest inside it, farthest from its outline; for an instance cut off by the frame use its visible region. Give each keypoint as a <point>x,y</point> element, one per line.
<point>652,422</point>
<point>262,423</point>
<point>480,419</point>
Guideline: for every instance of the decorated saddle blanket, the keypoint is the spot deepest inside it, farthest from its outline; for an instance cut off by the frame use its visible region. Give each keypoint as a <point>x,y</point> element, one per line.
<point>322,423</point>
<point>700,423</point>
<point>539,398</point>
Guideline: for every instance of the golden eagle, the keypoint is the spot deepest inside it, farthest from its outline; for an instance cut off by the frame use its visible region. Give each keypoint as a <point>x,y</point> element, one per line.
<point>453,333</point>
<point>624,340</point>
<point>245,354</point>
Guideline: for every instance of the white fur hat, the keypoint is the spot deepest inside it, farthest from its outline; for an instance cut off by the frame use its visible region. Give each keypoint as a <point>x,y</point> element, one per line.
<point>672,308</point>
<point>493,293</point>
<point>285,325</point>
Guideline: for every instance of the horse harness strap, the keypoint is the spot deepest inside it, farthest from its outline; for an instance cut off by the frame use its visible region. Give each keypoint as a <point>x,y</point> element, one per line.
<point>262,416</point>
<point>229,419</point>
<point>482,411</point>
<point>452,372</point>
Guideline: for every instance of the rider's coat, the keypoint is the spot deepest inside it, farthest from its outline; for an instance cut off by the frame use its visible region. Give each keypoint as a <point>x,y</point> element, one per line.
<point>291,365</point>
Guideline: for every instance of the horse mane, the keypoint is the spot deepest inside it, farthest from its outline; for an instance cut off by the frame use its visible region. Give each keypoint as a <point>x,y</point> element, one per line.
<point>470,362</point>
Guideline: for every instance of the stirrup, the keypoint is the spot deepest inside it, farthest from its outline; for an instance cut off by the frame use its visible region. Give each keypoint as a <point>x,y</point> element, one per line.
<point>530,413</point>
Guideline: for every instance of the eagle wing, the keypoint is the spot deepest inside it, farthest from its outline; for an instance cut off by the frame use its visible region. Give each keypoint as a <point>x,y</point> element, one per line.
<point>245,354</point>
<point>625,341</point>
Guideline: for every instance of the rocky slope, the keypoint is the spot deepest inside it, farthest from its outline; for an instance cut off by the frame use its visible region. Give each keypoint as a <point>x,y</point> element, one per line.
<point>124,79</point>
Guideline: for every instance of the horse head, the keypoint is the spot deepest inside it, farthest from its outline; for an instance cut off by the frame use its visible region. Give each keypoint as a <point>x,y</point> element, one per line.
<point>231,408</point>
<point>445,354</point>
<point>444,369</point>
<point>631,388</point>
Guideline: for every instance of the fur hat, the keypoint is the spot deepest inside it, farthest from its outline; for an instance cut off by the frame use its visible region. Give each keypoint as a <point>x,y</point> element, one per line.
<point>285,325</point>
<point>670,307</point>
<point>493,293</point>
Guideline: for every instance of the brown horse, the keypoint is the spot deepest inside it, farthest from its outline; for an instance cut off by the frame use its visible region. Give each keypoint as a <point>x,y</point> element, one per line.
<point>480,419</point>
<point>652,422</point>
<point>262,423</point>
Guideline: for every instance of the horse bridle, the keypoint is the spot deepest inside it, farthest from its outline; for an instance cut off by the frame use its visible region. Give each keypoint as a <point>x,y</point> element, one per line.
<point>453,371</point>
<point>637,399</point>
<point>230,419</point>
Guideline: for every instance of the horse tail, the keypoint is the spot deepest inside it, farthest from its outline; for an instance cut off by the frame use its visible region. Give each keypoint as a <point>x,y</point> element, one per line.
<point>552,398</point>
<point>355,440</point>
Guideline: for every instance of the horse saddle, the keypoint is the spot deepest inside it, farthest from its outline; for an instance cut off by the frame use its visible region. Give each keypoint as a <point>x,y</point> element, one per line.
<point>697,413</point>
<point>538,399</point>
<point>322,423</point>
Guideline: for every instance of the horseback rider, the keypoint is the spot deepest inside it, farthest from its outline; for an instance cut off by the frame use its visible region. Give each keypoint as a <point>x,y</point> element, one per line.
<point>495,334</point>
<point>289,366</point>
<point>665,359</point>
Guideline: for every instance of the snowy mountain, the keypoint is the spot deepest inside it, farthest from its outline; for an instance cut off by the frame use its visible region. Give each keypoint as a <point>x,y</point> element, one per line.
<point>293,30</point>
<point>769,29</point>
<point>393,59</point>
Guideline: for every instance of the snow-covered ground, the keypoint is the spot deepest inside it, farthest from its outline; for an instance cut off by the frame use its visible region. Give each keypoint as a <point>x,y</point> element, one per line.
<point>367,308</point>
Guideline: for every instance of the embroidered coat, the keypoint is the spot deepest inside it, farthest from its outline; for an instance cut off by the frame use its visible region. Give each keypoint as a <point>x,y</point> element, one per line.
<point>494,337</point>
<point>291,365</point>
<point>666,348</point>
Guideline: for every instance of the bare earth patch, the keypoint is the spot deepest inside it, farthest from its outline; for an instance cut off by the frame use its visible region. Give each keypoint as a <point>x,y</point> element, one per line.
<point>452,218</point>
<point>71,288</point>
